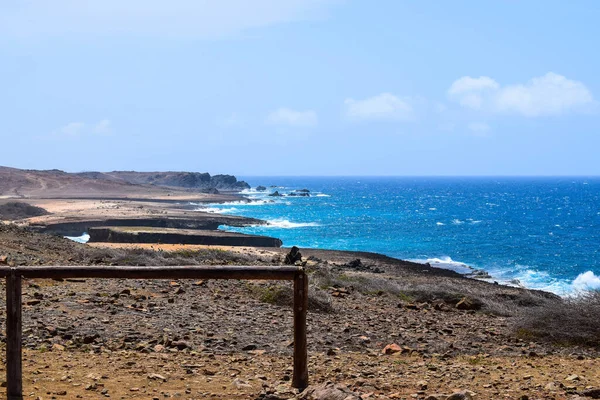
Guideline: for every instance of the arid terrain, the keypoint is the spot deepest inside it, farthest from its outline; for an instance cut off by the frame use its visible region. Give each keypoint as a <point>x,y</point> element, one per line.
<point>379,328</point>
<point>232,339</point>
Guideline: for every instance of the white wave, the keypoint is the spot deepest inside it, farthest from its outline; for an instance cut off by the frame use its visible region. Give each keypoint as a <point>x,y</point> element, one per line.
<point>586,281</point>
<point>475,221</point>
<point>84,238</point>
<point>252,191</point>
<point>446,263</point>
<point>457,221</point>
<point>286,224</point>
<point>432,208</point>
<point>322,195</point>
<point>217,210</point>
<point>440,223</point>
<point>253,202</point>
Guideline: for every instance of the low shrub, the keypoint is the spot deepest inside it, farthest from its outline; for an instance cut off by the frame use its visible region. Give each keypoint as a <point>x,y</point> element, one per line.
<point>283,295</point>
<point>18,210</point>
<point>571,321</point>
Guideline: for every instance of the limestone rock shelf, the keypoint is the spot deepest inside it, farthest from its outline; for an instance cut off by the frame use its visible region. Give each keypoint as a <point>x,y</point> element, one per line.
<point>128,234</point>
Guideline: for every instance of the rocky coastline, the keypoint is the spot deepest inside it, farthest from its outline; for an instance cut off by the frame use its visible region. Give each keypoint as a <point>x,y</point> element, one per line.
<point>379,327</point>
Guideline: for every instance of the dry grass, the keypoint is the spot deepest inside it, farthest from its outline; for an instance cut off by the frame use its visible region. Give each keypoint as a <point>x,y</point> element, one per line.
<point>450,291</point>
<point>572,321</point>
<point>283,295</point>
<point>145,257</point>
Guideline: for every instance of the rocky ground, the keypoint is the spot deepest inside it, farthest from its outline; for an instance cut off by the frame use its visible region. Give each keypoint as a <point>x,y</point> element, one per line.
<point>378,328</point>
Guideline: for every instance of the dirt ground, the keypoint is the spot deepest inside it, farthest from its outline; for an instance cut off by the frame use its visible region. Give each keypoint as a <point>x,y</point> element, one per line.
<point>58,374</point>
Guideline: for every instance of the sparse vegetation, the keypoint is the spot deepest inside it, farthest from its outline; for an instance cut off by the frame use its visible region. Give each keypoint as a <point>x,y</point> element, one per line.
<point>145,257</point>
<point>18,210</point>
<point>283,295</point>
<point>430,291</point>
<point>571,321</point>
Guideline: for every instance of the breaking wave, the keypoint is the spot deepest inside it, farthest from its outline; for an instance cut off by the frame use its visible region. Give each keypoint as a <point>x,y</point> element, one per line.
<point>286,224</point>
<point>84,238</point>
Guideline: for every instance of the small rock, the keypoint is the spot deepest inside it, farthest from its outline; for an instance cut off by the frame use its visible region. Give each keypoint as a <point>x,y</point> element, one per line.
<point>462,395</point>
<point>467,303</point>
<point>391,349</point>
<point>157,377</point>
<point>58,347</point>
<point>328,391</point>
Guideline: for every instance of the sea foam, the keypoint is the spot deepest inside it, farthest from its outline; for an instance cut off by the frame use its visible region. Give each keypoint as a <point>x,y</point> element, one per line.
<point>217,210</point>
<point>84,238</point>
<point>286,224</point>
<point>446,263</point>
<point>586,281</point>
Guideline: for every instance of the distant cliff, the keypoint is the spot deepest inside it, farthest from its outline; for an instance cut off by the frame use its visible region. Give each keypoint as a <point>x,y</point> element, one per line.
<point>19,183</point>
<point>188,180</point>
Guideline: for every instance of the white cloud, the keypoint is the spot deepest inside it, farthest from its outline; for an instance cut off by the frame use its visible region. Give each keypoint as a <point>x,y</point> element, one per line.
<point>187,18</point>
<point>551,94</point>
<point>72,129</point>
<point>468,84</point>
<point>286,116</point>
<point>80,129</point>
<point>103,127</point>
<point>383,106</point>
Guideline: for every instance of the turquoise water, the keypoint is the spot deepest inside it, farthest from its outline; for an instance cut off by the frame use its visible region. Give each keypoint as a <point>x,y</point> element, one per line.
<point>544,232</point>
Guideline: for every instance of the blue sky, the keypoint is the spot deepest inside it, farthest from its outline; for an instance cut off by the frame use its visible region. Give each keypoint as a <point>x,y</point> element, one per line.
<point>301,87</point>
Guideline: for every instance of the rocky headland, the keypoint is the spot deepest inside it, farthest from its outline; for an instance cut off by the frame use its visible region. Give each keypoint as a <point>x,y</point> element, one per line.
<point>136,207</point>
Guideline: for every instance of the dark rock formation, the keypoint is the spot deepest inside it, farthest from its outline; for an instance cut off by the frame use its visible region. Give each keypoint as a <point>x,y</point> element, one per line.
<point>18,210</point>
<point>276,194</point>
<point>178,236</point>
<point>261,188</point>
<point>358,265</point>
<point>188,180</point>
<point>299,194</point>
<point>293,256</point>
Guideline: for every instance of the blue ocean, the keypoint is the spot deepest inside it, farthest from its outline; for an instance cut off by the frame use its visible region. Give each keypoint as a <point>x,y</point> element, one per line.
<point>541,233</point>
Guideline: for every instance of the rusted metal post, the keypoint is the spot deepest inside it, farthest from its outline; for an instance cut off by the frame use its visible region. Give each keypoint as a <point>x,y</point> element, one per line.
<point>14,370</point>
<point>300,379</point>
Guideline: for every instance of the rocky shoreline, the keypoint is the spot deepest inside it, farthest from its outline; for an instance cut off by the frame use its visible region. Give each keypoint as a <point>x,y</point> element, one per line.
<point>380,328</point>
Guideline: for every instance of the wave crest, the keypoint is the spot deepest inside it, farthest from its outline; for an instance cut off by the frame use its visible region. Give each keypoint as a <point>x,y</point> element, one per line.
<point>287,224</point>
<point>586,281</point>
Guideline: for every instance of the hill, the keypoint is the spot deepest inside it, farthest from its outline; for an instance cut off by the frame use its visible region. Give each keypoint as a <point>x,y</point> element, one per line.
<point>20,183</point>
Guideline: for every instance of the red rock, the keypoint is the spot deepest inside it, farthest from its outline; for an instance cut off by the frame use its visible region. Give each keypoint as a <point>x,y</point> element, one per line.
<point>391,349</point>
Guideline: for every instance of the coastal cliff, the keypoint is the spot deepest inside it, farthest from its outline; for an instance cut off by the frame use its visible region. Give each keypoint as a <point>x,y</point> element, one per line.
<point>188,180</point>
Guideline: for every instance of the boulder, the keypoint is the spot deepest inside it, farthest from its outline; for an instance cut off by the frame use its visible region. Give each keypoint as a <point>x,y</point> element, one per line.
<point>261,188</point>
<point>276,194</point>
<point>467,303</point>
<point>293,256</point>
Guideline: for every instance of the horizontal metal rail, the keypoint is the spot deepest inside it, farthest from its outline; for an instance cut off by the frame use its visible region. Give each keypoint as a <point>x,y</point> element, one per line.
<point>14,275</point>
